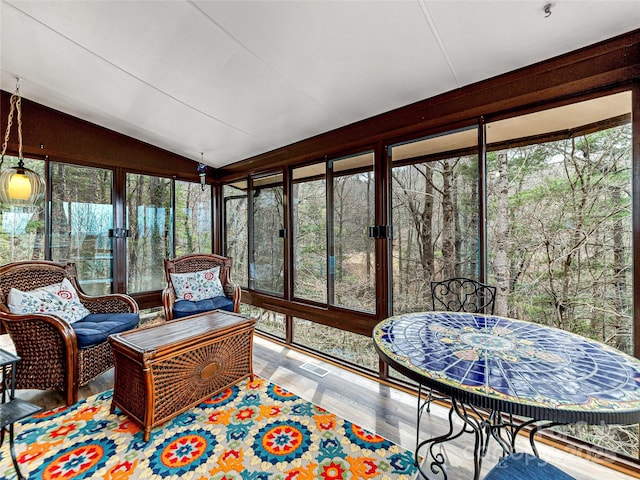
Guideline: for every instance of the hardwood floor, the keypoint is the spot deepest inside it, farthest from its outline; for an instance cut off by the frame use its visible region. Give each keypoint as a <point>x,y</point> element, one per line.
<point>374,406</point>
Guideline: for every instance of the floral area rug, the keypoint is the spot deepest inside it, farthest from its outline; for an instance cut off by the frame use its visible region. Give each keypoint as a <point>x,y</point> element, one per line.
<point>255,430</point>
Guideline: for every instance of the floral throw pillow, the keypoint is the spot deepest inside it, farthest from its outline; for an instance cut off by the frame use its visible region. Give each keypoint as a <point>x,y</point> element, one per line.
<point>60,299</point>
<point>195,286</point>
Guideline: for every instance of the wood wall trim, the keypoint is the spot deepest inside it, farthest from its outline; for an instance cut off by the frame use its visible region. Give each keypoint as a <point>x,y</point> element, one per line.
<point>599,66</point>
<point>635,152</point>
<point>341,318</point>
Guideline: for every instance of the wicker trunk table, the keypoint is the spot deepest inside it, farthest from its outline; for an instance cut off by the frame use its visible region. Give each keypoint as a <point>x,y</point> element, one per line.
<point>164,370</point>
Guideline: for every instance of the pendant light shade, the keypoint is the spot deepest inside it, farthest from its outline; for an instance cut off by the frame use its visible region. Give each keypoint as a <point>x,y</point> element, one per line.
<point>18,185</point>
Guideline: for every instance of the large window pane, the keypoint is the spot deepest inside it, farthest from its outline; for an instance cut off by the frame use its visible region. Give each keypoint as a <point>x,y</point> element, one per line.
<point>559,216</point>
<point>192,218</point>
<point>267,268</point>
<point>309,202</point>
<point>352,252</point>
<point>560,227</point>
<point>81,217</point>
<point>333,342</point>
<point>22,229</point>
<point>235,230</point>
<point>270,322</point>
<point>149,225</point>
<point>434,215</point>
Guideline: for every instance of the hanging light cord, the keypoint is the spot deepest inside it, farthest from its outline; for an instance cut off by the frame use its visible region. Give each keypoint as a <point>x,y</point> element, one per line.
<point>15,102</point>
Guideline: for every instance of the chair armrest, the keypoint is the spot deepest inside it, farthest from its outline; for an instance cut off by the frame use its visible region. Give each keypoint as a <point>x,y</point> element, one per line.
<point>168,299</point>
<point>27,331</point>
<point>48,348</point>
<point>113,303</point>
<point>234,292</point>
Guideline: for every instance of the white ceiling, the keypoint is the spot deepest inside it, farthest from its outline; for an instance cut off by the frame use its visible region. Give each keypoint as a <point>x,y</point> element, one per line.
<point>235,79</point>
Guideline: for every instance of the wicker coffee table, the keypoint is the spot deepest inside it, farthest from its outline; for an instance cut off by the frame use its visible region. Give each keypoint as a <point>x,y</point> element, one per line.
<point>164,370</point>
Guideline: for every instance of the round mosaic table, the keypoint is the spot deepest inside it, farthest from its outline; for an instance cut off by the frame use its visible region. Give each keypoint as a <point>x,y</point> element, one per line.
<point>508,366</point>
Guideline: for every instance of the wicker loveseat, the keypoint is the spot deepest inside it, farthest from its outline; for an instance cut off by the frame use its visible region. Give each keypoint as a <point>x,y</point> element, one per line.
<point>183,266</point>
<point>55,354</point>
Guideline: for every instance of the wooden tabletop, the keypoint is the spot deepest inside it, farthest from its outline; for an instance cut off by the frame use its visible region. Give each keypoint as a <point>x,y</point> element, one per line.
<point>182,331</point>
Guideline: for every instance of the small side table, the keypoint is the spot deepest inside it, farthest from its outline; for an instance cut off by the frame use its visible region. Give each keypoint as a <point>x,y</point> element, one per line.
<point>12,409</point>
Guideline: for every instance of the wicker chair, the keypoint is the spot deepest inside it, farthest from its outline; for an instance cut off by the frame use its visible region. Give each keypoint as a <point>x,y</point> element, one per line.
<point>195,263</point>
<point>51,356</point>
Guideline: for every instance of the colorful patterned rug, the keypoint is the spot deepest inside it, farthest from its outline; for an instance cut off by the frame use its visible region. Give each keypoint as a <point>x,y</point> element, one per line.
<point>253,431</point>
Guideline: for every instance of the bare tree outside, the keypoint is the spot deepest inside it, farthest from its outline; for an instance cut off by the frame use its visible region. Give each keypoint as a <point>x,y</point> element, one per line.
<point>435,225</point>
<point>354,284</point>
<point>192,218</point>
<point>150,229</point>
<point>81,218</point>
<point>236,237</point>
<point>310,240</point>
<point>267,270</point>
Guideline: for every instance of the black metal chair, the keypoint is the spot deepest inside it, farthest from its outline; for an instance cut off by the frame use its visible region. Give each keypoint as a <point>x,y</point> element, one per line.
<point>461,294</point>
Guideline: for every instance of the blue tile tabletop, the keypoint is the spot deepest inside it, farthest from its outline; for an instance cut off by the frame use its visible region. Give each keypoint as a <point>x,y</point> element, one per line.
<point>513,366</point>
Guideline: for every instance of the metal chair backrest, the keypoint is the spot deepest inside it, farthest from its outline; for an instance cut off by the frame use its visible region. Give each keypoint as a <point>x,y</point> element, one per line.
<point>463,295</point>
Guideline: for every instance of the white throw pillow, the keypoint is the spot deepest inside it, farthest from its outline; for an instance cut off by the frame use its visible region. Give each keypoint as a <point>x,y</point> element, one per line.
<point>195,286</point>
<point>60,299</point>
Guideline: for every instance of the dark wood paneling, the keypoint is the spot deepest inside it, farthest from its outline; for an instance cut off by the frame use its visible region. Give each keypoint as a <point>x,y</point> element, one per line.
<point>148,299</point>
<point>350,320</point>
<point>383,245</point>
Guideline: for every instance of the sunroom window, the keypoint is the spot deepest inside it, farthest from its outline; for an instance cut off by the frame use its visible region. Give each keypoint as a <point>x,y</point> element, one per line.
<point>559,191</point>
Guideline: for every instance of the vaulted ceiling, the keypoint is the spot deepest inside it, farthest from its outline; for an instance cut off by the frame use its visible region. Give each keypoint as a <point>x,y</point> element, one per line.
<point>234,79</point>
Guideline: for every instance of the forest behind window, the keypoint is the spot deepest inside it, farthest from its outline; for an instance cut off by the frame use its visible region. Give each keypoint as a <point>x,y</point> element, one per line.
<point>150,231</point>
<point>560,243</point>
<point>559,225</point>
<point>236,236</point>
<point>266,264</point>
<point>309,192</point>
<point>192,218</point>
<point>81,222</point>
<point>81,218</point>
<point>435,208</point>
<point>556,188</point>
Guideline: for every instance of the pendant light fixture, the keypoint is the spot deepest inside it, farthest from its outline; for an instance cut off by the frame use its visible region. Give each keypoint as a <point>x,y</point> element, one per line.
<point>202,171</point>
<point>18,185</point>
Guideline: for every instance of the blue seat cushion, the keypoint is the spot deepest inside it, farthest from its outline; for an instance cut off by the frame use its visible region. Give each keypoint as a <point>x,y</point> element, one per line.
<point>522,466</point>
<point>184,308</point>
<point>95,328</point>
